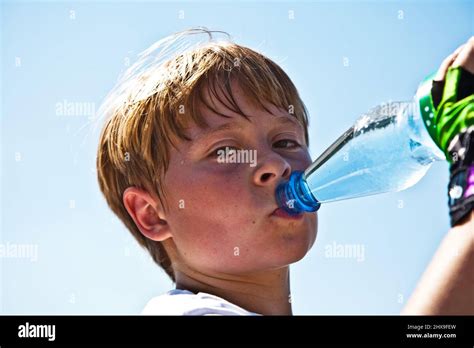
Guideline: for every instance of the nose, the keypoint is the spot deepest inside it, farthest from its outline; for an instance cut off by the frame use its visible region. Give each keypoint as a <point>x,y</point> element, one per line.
<point>271,170</point>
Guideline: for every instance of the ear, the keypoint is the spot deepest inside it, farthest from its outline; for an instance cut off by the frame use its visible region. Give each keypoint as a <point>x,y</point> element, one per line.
<point>147,214</point>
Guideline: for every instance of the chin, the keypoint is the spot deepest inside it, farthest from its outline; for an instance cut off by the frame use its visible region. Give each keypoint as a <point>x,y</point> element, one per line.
<point>296,246</point>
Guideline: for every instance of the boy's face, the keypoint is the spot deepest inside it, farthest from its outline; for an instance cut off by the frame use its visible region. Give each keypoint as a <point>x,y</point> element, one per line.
<point>220,214</point>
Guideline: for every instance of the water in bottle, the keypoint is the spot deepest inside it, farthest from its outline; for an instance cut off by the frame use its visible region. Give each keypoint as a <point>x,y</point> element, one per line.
<point>388,149</point>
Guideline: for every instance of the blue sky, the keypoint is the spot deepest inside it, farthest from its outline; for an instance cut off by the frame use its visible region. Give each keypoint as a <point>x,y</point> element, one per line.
<point>344,57</point>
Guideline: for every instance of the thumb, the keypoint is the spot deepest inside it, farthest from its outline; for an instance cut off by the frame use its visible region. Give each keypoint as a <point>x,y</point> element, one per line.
<point>447,62</point>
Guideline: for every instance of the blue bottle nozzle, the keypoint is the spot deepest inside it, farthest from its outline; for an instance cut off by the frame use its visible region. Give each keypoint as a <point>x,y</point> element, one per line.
<point>295,197</point>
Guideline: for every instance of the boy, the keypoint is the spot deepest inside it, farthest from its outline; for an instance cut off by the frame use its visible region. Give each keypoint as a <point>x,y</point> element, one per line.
<point>213,224</point>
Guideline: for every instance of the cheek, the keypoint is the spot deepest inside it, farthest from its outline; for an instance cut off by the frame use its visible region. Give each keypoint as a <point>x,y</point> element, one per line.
<point>215,195</point>
<point>206,214</point>
<point>214,216</point>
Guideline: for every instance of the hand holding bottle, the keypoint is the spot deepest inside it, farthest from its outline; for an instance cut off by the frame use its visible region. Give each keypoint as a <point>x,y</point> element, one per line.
<point>453,126</point>
<point>446,286</point>
<point>391,149</point>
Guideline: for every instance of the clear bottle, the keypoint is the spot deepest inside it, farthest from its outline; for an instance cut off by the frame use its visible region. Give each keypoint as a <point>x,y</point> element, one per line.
<point>390,148</point>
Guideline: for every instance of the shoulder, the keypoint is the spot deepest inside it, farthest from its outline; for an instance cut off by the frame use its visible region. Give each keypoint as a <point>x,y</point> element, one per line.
<point>184,302</point>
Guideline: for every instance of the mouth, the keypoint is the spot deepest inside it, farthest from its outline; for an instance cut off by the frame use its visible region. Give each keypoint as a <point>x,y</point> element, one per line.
<point>280,213</point>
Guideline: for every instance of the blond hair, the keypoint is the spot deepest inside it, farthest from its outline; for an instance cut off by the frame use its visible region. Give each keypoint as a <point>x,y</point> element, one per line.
<point>156,98</point>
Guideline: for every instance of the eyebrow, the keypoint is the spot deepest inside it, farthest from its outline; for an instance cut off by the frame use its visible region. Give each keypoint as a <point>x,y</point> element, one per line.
<point>280,120</point>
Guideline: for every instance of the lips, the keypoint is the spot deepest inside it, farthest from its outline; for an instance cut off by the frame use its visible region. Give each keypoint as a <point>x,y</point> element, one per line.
<point>278,212</point>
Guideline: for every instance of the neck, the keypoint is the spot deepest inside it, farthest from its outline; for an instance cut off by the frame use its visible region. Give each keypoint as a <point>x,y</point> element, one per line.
<point>266,293</point>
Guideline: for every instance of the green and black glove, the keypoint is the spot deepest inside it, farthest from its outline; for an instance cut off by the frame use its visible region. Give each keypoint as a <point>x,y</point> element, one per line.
<point>453,131</point>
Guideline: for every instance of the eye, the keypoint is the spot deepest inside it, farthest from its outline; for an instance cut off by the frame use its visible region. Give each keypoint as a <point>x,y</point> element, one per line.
<point>287,144</point>
<point>222,150</point>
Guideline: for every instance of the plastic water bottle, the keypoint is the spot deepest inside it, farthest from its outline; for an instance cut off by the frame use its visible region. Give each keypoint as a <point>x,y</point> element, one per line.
<point>388,149</point>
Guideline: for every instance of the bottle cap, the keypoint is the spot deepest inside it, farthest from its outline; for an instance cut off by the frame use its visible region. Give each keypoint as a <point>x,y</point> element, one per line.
<point>294,196</point>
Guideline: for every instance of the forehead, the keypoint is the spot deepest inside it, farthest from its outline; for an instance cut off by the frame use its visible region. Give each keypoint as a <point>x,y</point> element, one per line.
<point>225,109</point>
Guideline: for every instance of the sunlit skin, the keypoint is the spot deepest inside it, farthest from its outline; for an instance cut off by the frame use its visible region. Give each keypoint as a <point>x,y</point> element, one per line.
<point>219,230</point>
<point>447,285</point>
<point>225,241</point>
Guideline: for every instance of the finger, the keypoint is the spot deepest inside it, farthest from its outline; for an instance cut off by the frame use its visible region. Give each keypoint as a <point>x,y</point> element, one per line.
<point>466,57</point>
<point>458,50</point>
<point>443,69</point>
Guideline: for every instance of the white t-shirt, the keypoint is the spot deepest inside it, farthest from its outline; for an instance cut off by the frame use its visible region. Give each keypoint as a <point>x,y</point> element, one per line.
<point>184,302</point>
